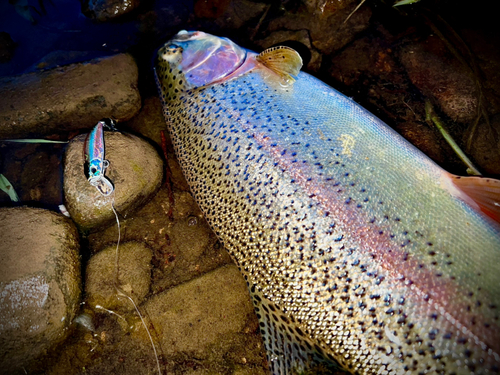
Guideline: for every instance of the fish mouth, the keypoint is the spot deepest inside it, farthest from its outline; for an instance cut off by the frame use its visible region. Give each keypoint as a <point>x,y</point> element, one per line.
<point>201,58</point>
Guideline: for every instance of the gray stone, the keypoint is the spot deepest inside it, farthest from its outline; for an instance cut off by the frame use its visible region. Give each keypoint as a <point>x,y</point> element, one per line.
<point>69,98</point>
<point>39,284</point>
<point>134,268</point>
<point>135,169</point>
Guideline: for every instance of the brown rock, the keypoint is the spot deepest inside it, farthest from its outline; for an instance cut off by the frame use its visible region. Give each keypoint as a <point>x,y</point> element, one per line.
<point>69,98</point>
<point>104,10</point>
<point>485,146</point>
<point>150,121</point>
<point>134,277</point>
<point>197,314</point>
<point>441,77</point>
<point>326,23</point>
<point>39,284</point>
<point>135,169</point>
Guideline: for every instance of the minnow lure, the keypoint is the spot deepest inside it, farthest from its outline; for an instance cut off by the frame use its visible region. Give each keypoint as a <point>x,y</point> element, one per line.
<point>357,248</point>
<point>95,155</point>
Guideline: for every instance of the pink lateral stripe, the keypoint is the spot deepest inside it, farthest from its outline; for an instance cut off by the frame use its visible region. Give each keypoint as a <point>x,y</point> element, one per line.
<point>400,266</point>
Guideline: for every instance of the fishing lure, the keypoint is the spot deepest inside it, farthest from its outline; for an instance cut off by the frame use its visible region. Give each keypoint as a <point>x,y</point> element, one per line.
<point>96,167</point>
<point>95,155</point>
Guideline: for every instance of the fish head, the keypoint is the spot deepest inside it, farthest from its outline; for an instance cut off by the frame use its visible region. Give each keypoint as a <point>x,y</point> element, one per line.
<point>195,59</point>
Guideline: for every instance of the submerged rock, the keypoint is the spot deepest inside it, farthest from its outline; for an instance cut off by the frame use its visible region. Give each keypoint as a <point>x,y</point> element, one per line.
<point>149,122</point>
<point>210,318</point>
<point>440,76</point>
<point>135,169</point>
<point>485,146</point>
<point>194,315</point>
<point>7,47</point>
<point>328,23</point>
<point>69,98</point>
<point>103,10</point>
<point>39,284</point>
<point>134,265</point>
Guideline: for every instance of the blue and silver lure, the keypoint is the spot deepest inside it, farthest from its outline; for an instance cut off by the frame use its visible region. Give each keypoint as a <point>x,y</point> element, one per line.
<point>95,155</point>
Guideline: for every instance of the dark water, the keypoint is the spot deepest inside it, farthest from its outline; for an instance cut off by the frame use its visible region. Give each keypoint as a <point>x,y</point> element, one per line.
<point>53,32</point>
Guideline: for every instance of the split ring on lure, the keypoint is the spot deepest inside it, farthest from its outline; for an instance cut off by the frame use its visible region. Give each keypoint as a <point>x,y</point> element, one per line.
<point>95,156</point>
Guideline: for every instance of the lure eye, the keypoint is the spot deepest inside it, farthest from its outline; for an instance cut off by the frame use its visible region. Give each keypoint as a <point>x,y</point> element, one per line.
<point>93,170</point>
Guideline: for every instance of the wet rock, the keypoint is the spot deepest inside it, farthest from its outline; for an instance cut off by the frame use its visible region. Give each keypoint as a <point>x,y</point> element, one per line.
<point>39,284</point>
<point>134,265</point>
<point>104,10</point>
<point>69,98</point>
<point>63,57</point>
<point>210,8</point>
<point>485,146</point>
<point>193,315</point>
<point>326,23</point>
<point>183,245</point>
<point>226,14</point>
<point>34,170</point>
<point>135,169</point>
<point>440,76</point>
<point>7,47</point>
<point>149,122</point>
<point>210,318</point>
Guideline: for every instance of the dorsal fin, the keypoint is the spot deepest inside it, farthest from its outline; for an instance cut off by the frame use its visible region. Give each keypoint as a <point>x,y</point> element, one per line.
<point>483,191</point>
<point>289,349</point>
<point>284,61</point>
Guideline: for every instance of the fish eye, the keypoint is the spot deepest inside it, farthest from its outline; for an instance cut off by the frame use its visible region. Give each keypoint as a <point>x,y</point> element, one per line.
<point>173,48</point>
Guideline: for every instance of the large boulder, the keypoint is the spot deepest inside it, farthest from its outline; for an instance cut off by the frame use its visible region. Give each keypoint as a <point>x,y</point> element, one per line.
<point>40,284</point>
<point>69,98</point>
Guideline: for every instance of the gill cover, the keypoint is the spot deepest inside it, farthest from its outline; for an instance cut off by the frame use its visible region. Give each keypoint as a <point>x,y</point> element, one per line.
<point>201,58</point>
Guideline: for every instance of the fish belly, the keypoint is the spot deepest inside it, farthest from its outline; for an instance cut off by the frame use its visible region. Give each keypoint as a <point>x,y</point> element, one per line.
<point>345,233</point>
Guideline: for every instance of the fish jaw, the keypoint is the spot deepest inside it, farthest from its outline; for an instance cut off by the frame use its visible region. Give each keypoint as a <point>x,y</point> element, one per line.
<point>199,58</point>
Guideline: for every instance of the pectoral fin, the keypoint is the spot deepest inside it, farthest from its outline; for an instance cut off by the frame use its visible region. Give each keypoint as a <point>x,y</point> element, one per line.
<point>289,349</point>
<point>481,192</point>
<point>284,61</point>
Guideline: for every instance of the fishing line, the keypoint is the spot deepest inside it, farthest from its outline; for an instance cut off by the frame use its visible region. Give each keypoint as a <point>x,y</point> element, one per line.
<point>120,292</point>
<point>97,166</point>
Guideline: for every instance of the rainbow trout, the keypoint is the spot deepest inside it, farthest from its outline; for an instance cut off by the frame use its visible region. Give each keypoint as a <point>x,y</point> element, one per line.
<point>358,250</point>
